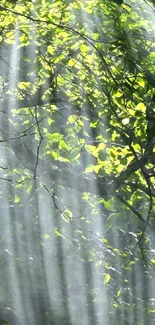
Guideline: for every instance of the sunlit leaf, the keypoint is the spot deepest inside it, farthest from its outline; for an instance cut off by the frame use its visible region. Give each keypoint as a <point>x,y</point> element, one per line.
<point>85,196</point>
<point>64,145</point>
<point>71,62</point>
<point>50,49</point>
<point>68,213</point>
<point>54,137</point>
<point>141,107</point>
<point>118,293</point>
<point>24,85</point>
<point>89,169</point>
<point>107,278</point>
<point>118,94</point>
<point>17,199</point>
<point>58,233</point>
<point>72,118</point>
<point>83,48</point>
<point>125,121</point>
<point>50,121</point>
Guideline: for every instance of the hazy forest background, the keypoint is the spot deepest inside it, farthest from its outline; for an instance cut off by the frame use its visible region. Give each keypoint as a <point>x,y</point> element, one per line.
<point>77,162</point>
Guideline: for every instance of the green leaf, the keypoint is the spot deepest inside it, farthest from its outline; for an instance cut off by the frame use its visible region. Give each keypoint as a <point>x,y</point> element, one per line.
<point>125,121</point>
<point>68,213</point>
<point>115,305</point>
<point>83,48</point>
<point>50,49</point>
<point>89,169</point>
<point>54,137</point>
<point>57,233</point>
<point>72,119</point>
<point>17,199</point>
<point>24,85</point>
<point>71,62</point>
<point>118,94</point>
<point>118,293</point>
<point>85,196</point>
<point>64,145</point>
<point>102,155</point>
<point>26,122</point>
<point>141,107</point>
<point>107,278</point>
<point>124,161</point>
<point>50,121</point>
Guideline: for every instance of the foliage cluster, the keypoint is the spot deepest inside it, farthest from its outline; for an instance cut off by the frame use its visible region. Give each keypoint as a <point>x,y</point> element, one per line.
<point>77,127</point>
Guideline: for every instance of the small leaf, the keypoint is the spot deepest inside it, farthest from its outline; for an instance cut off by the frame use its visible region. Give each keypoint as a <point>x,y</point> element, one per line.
<point>57,233</point>
<point>64,145</point>
<point>54,137</point>
<point>102,155</point>
<point>141,82</point>
<point>24,85</point>
<point>107,278</point>
<point>101,146</point>
<point>71,62</point>
<point>89,169</point>
<point>17,199</point>
<point>50,121</point>
<point>125,121</point>
<point>97,168</point>
<point>115,305</point>
<point>84,48</point>
<point>26,122</point>
<point>94,124</point>
<point>68,213</point>
<point>141,107</point>
<point>50,49</point>
<point>118,293</point>
<point>72,119</point>
<point>85,196</point>
<point>118,94</point>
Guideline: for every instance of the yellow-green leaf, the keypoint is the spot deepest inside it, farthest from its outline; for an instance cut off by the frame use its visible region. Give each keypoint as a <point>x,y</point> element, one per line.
<point>68,213</point>
<point>17,199</point>
<point>141,107</point>
<point>118,293</point>
<point>89,169</point>
<point>107,278</point>
<point>84,48</point>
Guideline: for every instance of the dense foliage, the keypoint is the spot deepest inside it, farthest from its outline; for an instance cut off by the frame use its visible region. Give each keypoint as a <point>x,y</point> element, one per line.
<point>77,127</point>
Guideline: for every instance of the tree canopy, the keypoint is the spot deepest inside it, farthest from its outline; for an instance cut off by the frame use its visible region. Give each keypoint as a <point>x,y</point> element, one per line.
<point>77,177</point>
